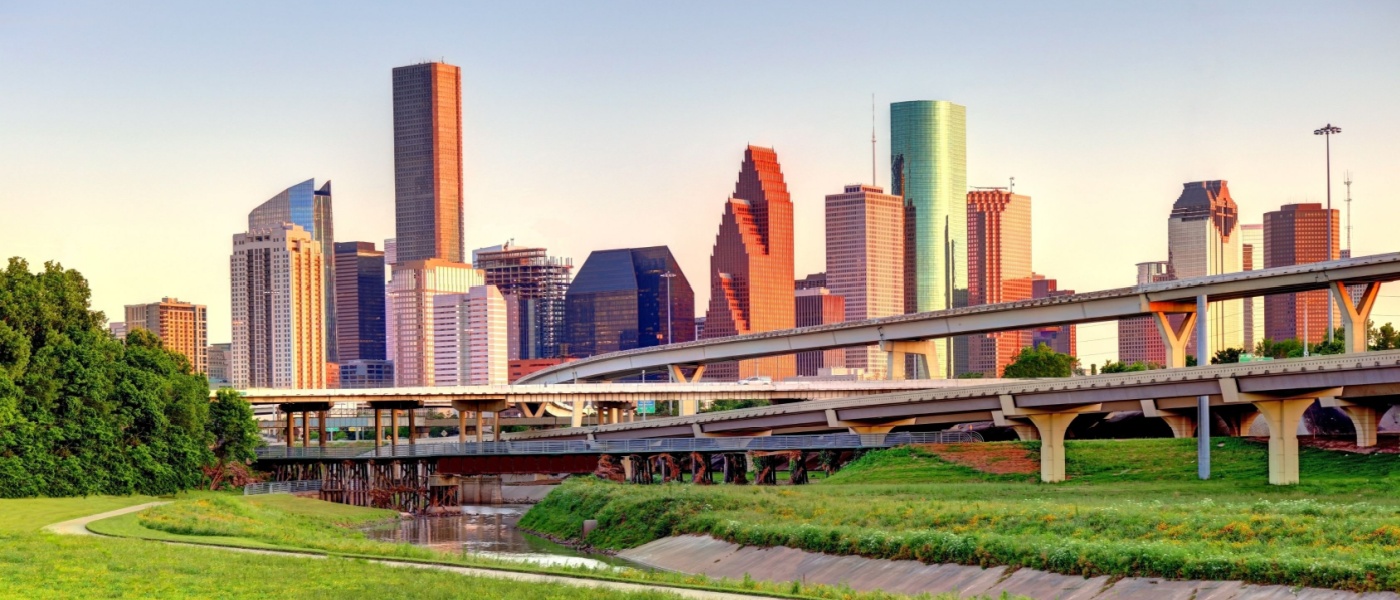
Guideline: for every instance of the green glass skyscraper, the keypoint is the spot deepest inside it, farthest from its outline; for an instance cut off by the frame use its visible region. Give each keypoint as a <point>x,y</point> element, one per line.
<point>928,160</point>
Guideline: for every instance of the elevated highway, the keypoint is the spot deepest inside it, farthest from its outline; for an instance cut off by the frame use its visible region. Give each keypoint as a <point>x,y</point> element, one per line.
<point>1363,385</point>
<point>903,334</point>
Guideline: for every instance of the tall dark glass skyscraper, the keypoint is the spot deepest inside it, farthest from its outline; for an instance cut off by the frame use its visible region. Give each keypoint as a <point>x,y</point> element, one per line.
<point>428,162</point>
<point>619,301</point>
<point>310,208</point>
<point>359,295</point>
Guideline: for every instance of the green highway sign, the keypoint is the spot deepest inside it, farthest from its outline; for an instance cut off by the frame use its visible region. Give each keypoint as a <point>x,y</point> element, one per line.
<point>646,407</point>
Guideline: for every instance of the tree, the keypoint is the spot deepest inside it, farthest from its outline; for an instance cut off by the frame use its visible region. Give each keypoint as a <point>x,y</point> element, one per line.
<point>1040,361</point>
<point>1226,356</point>
<point>721,405</point>
<point>83,413</point>
<point>1289,348</point>
<point>233,428</point>
<point>1120,367</point>
<point>971,375</point>
<point>1385,338</point>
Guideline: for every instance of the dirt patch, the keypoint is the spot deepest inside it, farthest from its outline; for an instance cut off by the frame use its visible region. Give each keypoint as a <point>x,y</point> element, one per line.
<point>1385,444</point>
<point>997,459</point>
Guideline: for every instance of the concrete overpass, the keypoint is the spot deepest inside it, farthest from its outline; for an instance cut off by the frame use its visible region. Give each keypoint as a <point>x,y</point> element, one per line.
<point>1364,385</point>
<point>909,334</point>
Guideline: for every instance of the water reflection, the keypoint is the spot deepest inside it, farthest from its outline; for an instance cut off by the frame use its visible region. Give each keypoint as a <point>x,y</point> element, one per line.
<point>486,531</point>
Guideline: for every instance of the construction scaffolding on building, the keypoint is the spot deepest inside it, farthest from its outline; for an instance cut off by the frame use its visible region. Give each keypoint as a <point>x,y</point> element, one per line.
<point>534,285</point>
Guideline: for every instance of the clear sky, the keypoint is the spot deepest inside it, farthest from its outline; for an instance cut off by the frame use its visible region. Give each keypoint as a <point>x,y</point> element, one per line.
<point>136,136</point>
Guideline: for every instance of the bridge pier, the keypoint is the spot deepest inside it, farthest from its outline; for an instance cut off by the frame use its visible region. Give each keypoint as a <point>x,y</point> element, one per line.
<point>896,351</point>
<point>1355,315</point>
<point>478,407</point>
<point>687,407</point>
<point>1182,421</point>
<point>1175,337</point>
<point>1365,417</point>
<point>1050,425</point>
<point>1283,412</point>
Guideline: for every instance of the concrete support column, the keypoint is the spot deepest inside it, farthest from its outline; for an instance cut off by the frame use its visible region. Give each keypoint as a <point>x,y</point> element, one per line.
<point>690,406</point>
<point>896,351</point>
<point>412,427</point>
<point>1052,427</point>
<point>378,428</point>
<point>321,426</point>
<point>393,427</point>
<point>291,427</point>
<point>1174,338</point>
<point>461,427</point>
<point>480,435</point>
<point>1364,418</point>
<point>305,429</point>
<point>1183,426</point>
<point>1355,315</point>
<point>1026,433</point>
<point>576,419</point>
<point>496,426</point>
<point>1283,417</point>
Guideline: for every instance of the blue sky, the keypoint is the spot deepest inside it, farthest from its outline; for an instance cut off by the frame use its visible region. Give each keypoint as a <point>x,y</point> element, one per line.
<point>135,137</point>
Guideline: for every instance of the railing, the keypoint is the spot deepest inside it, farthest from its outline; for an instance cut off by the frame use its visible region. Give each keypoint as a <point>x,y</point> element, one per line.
<point>282,487</point>
<point>835,441</point>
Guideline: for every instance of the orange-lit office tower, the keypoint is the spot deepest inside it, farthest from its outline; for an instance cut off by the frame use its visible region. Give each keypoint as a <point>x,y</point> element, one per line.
<point>816,305</point>
<point>865,262</point>
<point>180,325</point>
<point>998,270</point>
<point>279,320</point>
<point>751,272</point>
<point>1296,234</point>
<point>428,162</point>
<point>1138,338</point>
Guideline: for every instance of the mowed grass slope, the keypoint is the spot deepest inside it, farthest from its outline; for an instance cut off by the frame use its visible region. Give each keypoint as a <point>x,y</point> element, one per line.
<point>1132,507</point>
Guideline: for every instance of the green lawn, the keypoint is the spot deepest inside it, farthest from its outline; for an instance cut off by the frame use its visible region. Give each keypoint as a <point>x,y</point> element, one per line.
<point>1131,507</point>
<point>21,515</point>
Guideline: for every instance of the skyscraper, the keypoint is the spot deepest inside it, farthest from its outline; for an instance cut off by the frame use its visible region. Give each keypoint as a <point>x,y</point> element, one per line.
<point>1060,338</point>
<point>181,327</point>
<point>359,292</point>
<point>751,267</point>
<point>928,160</point>
<point>818,306</point>
<point>279,320</point>
<point>219,357</point>
<point>361,336</point>
<point>1296,234</point>
<point>619,302</point>
<point>1138,338</point>
<point>309,207</point>
<point>410,311</point>
<point>428,162</point>
<point>998,270</point>
<point>865,262</point>
<point>469,336</point>
<point>1252,259</point>
<point>534,285</point>
<point>1203,238</point>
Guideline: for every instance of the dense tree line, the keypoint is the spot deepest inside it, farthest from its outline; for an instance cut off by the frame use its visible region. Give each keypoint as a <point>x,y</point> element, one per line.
<point>82,412</point>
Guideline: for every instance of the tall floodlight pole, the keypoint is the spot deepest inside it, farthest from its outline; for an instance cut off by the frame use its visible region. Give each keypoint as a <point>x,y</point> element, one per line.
<point>1202,402</point>
<point>1327,132</point>
<point>669,276</point>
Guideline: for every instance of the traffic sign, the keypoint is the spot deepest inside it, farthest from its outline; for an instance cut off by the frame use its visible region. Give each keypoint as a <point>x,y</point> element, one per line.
<point>646,407</point>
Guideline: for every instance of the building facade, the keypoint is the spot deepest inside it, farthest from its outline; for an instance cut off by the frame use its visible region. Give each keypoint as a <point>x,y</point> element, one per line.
<point>928,162</point>
<point>310,207</point>
<point>469,338</point>
<point>619,302</point>
<point>359,292</point>
<point>534,284</point>
<point>998,270</point>
<point>751,267</point>
<point>818,306</point>
<point>865,263</point>
<point>181,326</point>
<point>279,319</point>
<point>1203,239</point>
<point>1296,234</point>
<point>366,373</point>
<point>219,358</point>
<point>428,162</point>
<point>1252,259</point>
<point>410,311</point>
<point>1061,338</point>
<point>1138,338</point>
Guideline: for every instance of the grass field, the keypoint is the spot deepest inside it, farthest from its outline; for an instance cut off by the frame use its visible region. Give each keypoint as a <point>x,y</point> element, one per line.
<point>1132,507</point>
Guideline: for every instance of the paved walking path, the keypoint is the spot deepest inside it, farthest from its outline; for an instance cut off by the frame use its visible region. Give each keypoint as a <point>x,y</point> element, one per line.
<point>79,527</point>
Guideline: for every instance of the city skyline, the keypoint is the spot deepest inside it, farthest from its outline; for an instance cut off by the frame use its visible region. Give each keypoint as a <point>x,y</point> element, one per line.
<point>1268,155</point>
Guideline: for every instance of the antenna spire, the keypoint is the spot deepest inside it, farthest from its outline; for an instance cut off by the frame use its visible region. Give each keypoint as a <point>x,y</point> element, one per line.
<point>1348,183</point>
<point>873,181</point>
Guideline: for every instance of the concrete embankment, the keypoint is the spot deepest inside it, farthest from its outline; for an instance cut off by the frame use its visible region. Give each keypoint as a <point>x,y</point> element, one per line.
<point>715,558</point>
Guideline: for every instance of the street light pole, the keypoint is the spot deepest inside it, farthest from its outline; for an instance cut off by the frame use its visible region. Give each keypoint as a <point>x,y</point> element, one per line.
<point>1327,132</point>
<point>669,335</point>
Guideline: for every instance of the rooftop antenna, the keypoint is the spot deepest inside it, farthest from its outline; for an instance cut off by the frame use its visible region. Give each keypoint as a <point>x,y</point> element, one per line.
<point>1012,189</point>
<point>1348,183</point>
<point>873,182</point>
